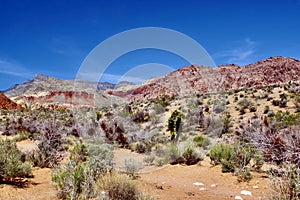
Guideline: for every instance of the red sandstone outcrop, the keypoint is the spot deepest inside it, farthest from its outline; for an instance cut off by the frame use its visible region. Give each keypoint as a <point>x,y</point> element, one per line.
<point>200,79</point>
<point>6,103</point>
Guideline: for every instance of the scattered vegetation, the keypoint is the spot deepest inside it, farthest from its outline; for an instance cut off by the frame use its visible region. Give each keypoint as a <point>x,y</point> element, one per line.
<point>238,129</point>
<point>12,163</point>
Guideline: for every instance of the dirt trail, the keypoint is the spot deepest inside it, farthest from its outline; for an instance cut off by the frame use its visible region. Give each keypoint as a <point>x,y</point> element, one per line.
<point>40,188</point>
<point>169,182</point>
<point>178,182</point>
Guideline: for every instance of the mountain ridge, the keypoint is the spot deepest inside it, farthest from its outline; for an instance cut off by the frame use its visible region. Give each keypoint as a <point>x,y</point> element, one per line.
<point>188,80</point>
<point>195,79</point>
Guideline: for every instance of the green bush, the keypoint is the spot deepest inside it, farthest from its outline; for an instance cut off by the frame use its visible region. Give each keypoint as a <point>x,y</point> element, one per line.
<point>234,157</point>
<point>149,159</point>
<point>244,174</point>
<point>172,152</point>
<point>87,164</point>
<point>11,162</point>
<point>191,157</point>
<point>119,187</point>
<point>220,151</point>
<point>160,161</point>
<point>69,179</point>
<point>201,141</point>
<point>132,166</point>
<point>245,103</point>
<point>286,119</point>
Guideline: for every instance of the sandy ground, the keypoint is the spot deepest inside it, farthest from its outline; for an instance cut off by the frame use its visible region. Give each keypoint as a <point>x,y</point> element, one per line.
<point>168,182</point>
<point>178,182</point>
<point>39,188</point>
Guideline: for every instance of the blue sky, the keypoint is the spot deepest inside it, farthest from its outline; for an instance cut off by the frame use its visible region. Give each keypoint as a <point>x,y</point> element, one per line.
<point>54,37</point>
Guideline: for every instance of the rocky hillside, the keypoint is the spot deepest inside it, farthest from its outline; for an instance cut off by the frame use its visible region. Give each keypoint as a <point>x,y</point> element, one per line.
<point>201,79</point>
<point>45,90</point>
<point>6,103</point>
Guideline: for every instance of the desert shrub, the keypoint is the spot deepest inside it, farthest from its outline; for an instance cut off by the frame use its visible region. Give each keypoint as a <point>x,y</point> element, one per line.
<point>149,159</point>
<point>245,103</point>
<point>266,109</point>
<point>164,101</point>
<point>264,95</point>
<point>173,155</point>
<point>119,187</point>
<point>12,162</point>
<point>219,107</point>
<point>158,108</point>
<point>140,147</point>
<point>213,126</point>
<point>191,157</point>
<point>242,111</point>
<point>286,185</point>
<point>50,145</point>
<point>271,113</point>
<point>160,161</point>
<point>221,153</point>
<point>201,141</point>
<point>69,179</point>
<point>87,164</point>
<point>132,166</point>
<point>244,174</point>
<point>275,102</point>
<point>226,123</point>
<point>233,157</point>
<point>23,135</point>
<point>114,132</point>
<point>172,152</point>
<point>252,109</point>
<point>277,145</point>
<point>296,100</point>
<point>286,119</point>
<point>140,117</point>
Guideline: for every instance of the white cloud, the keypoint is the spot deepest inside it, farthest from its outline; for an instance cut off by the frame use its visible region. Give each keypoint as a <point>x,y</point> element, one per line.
<point>64,46</point>
<point>240,53</point>
<point>14,69</point>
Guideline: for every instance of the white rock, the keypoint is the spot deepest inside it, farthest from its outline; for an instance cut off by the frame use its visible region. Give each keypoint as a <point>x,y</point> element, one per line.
<point>246,193</point>
<point>213,185</point>
<point>238,198</point>
<point>201,189</point>
<point>255,187</point>
<point>198,184</point>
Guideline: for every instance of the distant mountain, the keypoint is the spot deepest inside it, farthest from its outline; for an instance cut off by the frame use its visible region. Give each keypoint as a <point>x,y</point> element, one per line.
<point>189,80</point>
<point>202,79</point>
<point>45,90</point>
<point>6,103</point>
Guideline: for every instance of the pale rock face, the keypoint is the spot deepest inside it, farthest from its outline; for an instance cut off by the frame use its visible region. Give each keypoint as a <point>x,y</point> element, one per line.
<point>48,92</point>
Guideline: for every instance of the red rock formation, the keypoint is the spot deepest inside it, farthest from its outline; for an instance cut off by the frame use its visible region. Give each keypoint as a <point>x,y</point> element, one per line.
<point>6,103</point>
<point>199,79</point>
<point>77,98</point>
